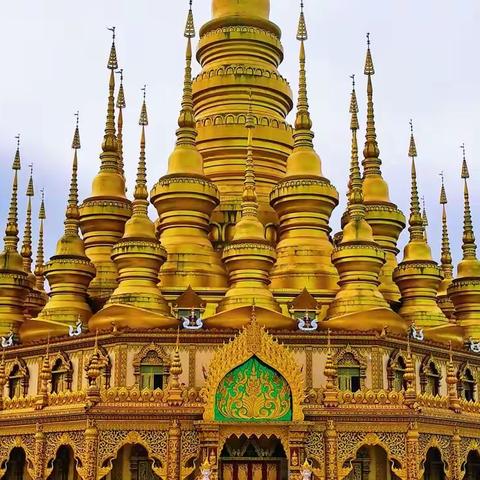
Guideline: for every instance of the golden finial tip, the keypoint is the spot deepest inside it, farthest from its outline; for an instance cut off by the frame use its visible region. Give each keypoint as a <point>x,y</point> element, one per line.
<point>190,25</point>
<point>465,172</point>
<point>412,149</point>
<point>143,113</point>
<point>16,161</point>
<point>76,135</point>
<point>112,59</point>
<point>121,93</point>
<point>42,215</point>
<point>443,193</point>
<point>302,33</point>
<point>369,68</point>
<point>30,190</point>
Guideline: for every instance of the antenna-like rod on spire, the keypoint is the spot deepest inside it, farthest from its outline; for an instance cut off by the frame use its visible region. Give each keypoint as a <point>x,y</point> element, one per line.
<point>121,104</point>
<point>416,221</point>
<point>11,230</point>
<point>356,207</point>
<point>371,151</point>
<point>26,250</point>
<point>303,135</point>
<point>109,157</point>
<point>40,258</point>
<point>446,256</point>
<point>469,247</point>
<point>186,133</point>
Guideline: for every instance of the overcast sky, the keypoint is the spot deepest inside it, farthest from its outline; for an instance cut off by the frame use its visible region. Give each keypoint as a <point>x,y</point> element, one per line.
<point>53,55</point>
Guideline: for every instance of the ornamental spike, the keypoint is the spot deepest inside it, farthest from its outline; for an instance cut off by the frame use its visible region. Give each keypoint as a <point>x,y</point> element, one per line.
<point>468,245</point>
<point>40,258</point>
<point>121,104</point>
<point>190,24</point>
<point>11,229</point>
<point>26,250</point>
<point>141,194</point>
<point>416,228</point>
<point>446,255</point>
<point>72,214</point>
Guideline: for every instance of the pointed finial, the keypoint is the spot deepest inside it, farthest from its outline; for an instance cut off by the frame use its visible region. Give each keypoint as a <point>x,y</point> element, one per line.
<point>249,197</point>
<point>177,342</point>
<point>416,222</point>
<point>121,94</point>
<point>72,214</point>
<point>424,218</point>
<point>190,25</point>
<point>140,204</point>
<point>110,155</point>
<point>302,33</point>
<point>329,341</point>
<point>112,59</point>
<point>40,258</point>
<point>303,122</point>
<point>469,247</point>
<point>11,229</point>
<point>356,207</point>
<point>446,256</point>
<point>26,250</point>
<point>76,136</point>
<point>371,151</point>
<point>186,133</point>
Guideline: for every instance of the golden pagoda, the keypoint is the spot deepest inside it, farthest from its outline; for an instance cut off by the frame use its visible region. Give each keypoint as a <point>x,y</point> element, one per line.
<point>229,338</point>
<point>418,276</point>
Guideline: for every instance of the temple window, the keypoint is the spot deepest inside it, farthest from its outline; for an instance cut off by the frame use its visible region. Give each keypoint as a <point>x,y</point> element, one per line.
<point>349,378</point>
<point>467,385</point>
<point>396,371</point>
<point>18,380</point>
<point>351,369</point>
<point>153,372</point>
<point>61,375</point>
<point>432,380</point>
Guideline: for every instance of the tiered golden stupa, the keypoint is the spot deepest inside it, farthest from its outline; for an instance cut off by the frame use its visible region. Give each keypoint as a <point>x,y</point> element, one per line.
<point>232,338</point>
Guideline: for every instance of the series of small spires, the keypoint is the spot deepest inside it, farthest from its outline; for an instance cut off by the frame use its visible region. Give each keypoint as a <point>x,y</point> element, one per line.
<point>186,134</point>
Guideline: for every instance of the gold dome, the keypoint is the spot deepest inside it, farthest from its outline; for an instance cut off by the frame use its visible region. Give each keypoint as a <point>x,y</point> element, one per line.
<point>250,8</point>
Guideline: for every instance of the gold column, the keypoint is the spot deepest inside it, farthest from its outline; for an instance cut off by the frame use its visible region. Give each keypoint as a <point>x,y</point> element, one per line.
<point>412,452</point>
<point>330,435</point>
<point>456,468</point>
<point>39,461</point>
<point>173,452</point>
<point>91,451</point>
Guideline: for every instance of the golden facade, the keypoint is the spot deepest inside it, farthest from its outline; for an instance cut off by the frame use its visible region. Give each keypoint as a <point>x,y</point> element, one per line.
<point>234,337</point>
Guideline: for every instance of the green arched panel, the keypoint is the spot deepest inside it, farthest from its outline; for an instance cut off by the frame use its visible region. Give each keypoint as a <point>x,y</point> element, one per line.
<point>253,392</point>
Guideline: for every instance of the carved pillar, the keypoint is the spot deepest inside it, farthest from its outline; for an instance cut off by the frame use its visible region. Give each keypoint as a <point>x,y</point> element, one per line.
<point>412,452</point>
<point>91,451</point>
<point>331,472</point>
<point>173,455</point>
<point>297,454</point>
<point>456,460</point>
<point>308,368</point>
<point>209,441</point>
<point>39,463</point>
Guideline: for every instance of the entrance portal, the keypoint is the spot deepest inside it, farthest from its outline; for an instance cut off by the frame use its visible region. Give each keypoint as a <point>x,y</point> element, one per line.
<point>253,458</point>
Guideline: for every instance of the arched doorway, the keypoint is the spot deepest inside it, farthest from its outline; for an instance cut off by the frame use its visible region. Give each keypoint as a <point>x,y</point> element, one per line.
<point>16,465</point>
<point>63,465</point>
<point>472,466</point>
<point>372,463</point>
<point>253,458</point>
<point>434,466</point>
<point>132,463</point>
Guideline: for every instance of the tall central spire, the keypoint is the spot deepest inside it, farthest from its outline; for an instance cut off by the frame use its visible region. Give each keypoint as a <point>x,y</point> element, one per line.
<point>240,50</point>
<point>386,220</point>
<point>104,213</point>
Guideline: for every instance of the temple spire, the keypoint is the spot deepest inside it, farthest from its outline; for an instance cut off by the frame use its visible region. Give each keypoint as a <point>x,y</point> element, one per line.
<point>11,229</point>
<point>469,246</point>
<point>446,256</point>
<point>72,214</point>
<point>371,152</point>
<point>109,156</point>
<point>356,207</point>
<point>40,258</point>
<point>303,124</point>
<point>140,204</point>
<point>121,104</point>
<point>416,227</point>
<point>26,250</point>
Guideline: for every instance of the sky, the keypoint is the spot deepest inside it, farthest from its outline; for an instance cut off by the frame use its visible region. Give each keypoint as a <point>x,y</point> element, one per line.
<point>53,56</point>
